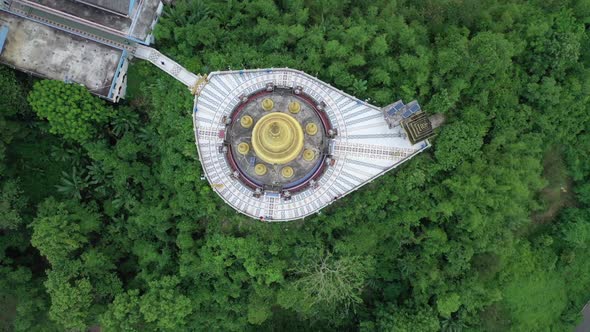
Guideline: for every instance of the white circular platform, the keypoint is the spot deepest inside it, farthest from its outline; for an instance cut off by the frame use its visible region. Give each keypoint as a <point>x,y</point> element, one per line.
<point>364,148</point>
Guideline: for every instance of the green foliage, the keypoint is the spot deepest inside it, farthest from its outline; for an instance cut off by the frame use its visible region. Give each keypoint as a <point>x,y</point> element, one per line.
<point>11,203</point>
<point>123,314</point>
<point>72,184</point>
<point>23,301</point>
<point>460,141</point>
<point>11,103</point>
<point>62,228</point>
<point>70,109</point>
<point>109,224</point>
<point>12,97</point>
<point>164,305</point>
<point>448,304</point>
<point>126,120</point>
<point>70,302</point>
<point>576,227</point>
<point>393,318</point>
<point>535,299</point>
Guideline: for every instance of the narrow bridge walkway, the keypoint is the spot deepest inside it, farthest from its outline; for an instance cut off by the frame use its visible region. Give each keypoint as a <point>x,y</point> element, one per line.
<point>168,65</point>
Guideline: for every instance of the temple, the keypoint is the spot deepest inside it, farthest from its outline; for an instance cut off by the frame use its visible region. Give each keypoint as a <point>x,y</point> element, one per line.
<point>279,145</point>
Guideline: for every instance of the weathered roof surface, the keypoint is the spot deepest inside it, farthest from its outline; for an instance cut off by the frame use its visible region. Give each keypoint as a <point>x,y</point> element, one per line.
<point>51,53</point>
<point>364,149</point>
<point>145,14</point>
<point>118,6</point>
<point>138,26</point>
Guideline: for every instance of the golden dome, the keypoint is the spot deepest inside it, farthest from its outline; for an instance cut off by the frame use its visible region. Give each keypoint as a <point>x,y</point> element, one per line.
<point>287,172</point>
<point>246,121</point>
<point>277,138</point>
<point>311,129</point>
<point>308,155</point>
<point>267,104</point>
<point>243,148</point>
<point>260,169</point>
<point>294,107</point>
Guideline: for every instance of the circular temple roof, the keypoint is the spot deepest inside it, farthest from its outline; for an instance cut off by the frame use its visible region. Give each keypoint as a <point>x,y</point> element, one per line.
<point>283,156</point>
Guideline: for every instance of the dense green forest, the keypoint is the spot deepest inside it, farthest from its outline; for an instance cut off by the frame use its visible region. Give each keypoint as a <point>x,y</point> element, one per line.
<point>105,221</point>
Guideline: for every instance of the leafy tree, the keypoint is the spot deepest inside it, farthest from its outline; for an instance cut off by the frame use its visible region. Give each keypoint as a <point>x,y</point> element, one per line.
<point>123,313</point>
<point>576,228</point>
<point>125,121</point>
<point>460,141</point>
<point>448,304</point>
<point>70,301</point>
<point>70,109</point>
<point>165,306</point>
<point>62,228</point>
<point>23,297</point>
<point>535,302</point>
<point>392,318</point>
<point>72,184</point>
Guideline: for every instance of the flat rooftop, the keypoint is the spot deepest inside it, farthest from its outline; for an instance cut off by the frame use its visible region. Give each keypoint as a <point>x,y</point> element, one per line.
<point>137,26</point>
<point>55,54</point>
<point>118,6</point>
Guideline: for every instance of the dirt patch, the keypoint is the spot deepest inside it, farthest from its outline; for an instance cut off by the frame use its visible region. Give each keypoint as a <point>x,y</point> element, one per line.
<point>558,192</point>
<point>7,314</point>
<point>495,318</point>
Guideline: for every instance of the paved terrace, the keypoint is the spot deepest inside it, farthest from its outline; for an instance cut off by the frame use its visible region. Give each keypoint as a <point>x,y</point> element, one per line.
<point>51,53</point>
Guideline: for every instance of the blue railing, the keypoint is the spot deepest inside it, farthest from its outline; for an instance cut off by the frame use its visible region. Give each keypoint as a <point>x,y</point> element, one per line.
<point>119,67</point>
<point>131,4</point>
<point>3,35</point>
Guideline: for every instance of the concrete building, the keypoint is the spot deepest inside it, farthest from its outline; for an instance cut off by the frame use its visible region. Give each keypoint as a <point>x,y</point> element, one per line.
<point>88,42</point>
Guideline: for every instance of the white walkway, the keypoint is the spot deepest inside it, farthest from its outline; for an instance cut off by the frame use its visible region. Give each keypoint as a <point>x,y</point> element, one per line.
<point>166,64</point>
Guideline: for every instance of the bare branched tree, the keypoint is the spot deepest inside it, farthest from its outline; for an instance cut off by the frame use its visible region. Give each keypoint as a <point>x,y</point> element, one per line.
<point>332,281</point>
